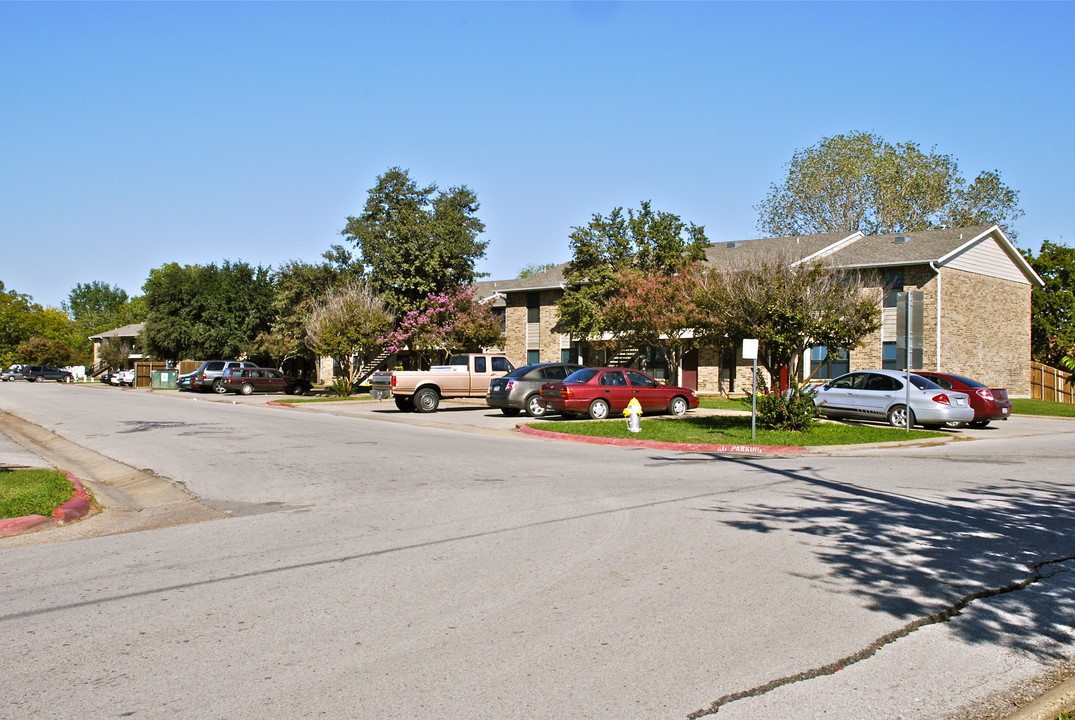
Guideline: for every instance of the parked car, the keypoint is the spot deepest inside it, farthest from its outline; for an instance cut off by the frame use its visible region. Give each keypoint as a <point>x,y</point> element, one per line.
<point>207,377</point>
<point>521,388</point>
<point>41,373</point>
<point>183,381</point>
<point>598,392</point>
<point>882,395</point>
<point>125,377</point>
<point>12,373</point>
<point>248,380</point>
<point>988,403</point>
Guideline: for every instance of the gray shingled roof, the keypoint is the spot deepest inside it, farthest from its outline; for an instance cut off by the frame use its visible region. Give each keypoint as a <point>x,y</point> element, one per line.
<point>125,331</point>
<point>844,249</point>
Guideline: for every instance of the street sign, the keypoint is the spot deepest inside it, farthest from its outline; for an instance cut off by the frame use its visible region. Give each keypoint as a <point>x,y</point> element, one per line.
<point>909,321</point>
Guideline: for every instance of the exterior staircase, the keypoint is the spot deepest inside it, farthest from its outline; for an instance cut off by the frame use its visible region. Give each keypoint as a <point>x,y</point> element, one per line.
<point>374,365</point>
<point>624,357</point>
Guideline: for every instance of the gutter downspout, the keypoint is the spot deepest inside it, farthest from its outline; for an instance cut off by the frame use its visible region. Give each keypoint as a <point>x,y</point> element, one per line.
<point>937,270</point>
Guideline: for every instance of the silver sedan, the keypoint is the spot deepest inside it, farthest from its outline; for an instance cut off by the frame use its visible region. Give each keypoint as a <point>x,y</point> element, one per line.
<point>883,395</point>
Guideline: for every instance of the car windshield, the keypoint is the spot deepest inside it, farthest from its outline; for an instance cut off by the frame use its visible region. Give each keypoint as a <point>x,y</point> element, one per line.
<point>581,376</point>
<point>968,382</point>
<point>519,372</point>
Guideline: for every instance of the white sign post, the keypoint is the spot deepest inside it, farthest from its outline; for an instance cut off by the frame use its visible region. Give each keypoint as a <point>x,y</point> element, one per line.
<point>750,352</point>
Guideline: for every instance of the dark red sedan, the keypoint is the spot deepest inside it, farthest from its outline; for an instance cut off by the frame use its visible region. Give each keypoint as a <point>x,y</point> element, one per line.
<point>598,392</point>
<point>988,403</point>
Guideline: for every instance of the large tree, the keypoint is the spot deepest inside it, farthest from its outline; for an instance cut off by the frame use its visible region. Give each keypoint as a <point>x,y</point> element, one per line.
<point>202,312</point>
<point>297,287</point>
<point>649,241</point>
<point>860,181</point>
<point>29,332</point>
<point>1052,318</point>
<point>95,307</point>
<point>789,308</point>
<point>657,311</point>
<point>416,240</point>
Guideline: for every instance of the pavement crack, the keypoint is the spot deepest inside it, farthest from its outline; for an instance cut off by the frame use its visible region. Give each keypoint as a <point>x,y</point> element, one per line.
<point>1039,571</point>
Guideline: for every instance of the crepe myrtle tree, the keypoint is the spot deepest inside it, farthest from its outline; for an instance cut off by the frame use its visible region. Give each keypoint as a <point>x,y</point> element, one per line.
<point>451,321</point>
<point>789,307</point>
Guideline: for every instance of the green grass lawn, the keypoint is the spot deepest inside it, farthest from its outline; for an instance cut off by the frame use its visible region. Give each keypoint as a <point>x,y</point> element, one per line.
<point>1026,406</point>
<point>735,430</point>
<point>32,492</point>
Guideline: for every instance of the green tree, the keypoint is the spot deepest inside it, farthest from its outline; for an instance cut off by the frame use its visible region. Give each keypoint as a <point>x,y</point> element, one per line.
<point>789,308</point>
<point>414,240</point>
<point>297,287</point>
<point>195,311</point>
<point>534,269</point>
<point>1052,307</point>
<point>95,307</point>
<point>652,242</point>
<point>860,182</point>
<point>348,322</point>
<point>26,329</point>
<point>657,311</point>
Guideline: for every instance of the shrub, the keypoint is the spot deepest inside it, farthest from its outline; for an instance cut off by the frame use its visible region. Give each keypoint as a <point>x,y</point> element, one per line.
<point>342,386</point>
<point>790,410</point>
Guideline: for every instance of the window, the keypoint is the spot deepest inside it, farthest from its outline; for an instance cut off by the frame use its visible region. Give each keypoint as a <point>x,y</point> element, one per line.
<point>566,356</point>
<point>500,364</point>
<point>533,307</point>
<point>501,317</point>
<point>890,356</point>
<point>893,286</point>
<point>479,364</point>
<point>829,363</point>
<point>533,356</point>
<point>639,380</point>
<point>613,378</point>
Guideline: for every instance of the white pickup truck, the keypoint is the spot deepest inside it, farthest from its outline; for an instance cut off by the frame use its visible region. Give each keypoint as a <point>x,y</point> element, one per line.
<point>466,375</point>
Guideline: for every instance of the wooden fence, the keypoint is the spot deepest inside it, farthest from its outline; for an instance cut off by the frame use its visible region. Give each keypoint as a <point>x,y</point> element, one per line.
<point>1049,383</point>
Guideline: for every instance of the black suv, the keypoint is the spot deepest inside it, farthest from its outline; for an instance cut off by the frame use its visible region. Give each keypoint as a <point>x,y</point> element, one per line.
<point>208,375</point>
<point>41,373</point>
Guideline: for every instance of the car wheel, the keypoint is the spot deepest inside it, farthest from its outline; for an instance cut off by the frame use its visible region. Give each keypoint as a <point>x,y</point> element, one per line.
<point>404,404</point>
<point>897,416</point>
<point>218,387</point>
<point>534,408</point>
<point>678,407</point>
<point>39,378</point>
<point>510,412</point>
<point>245,389</point>
<point>978,424</point>
<point>598,410</point>
<point>68,379</point>
<point>426,400</point>
<point>300,389</point>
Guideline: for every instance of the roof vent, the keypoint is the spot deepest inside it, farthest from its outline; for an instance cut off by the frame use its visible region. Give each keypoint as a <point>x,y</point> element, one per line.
<point>901,239</point>
<point>731,245</point>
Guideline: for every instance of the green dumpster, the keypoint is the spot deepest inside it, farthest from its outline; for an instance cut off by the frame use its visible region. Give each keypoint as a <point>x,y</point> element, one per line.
<point>164,379</point>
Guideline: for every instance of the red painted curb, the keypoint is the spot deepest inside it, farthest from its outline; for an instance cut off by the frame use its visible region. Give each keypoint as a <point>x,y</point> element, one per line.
<point>19,525</point>
<point>655,445</point>
<point>74,509</point>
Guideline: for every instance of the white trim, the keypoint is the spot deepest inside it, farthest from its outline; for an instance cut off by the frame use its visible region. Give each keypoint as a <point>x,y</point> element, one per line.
<point>1006,245</point>
<point>830,249</point>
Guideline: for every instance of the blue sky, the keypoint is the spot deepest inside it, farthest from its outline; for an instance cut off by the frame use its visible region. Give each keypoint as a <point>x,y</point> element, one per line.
<point>137,134</point>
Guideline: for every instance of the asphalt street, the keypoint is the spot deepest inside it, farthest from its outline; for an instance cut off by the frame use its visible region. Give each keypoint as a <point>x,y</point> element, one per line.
<point>363,564</point>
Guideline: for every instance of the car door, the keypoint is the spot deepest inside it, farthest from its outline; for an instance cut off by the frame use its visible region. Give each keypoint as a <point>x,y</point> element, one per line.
<point>613,387</point>
<point>274,381</point>
<point>651,395</point>
<point>876,395</point>
<point>838,396</point>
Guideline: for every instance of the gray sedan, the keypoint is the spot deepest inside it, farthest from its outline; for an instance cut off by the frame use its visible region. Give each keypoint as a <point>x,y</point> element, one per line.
<point>521,388</point>
<point>882,395</point>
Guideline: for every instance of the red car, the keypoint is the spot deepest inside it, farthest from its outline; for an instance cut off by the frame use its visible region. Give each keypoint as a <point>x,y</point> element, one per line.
<point>988,403</point>
<point>597,392</point>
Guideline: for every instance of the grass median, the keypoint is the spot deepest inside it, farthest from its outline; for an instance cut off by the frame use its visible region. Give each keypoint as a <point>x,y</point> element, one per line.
<point>32,491</point>
<point>735,430</point>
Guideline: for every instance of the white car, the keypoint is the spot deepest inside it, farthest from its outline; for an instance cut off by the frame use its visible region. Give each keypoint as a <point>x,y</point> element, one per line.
<point>882,395</point>
<point>122,377</point>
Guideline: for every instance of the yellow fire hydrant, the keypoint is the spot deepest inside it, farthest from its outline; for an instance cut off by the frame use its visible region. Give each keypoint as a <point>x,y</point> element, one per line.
<point>633,413</point>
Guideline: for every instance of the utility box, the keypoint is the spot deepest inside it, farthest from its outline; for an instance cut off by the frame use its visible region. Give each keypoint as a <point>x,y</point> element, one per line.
<point>164,379</point>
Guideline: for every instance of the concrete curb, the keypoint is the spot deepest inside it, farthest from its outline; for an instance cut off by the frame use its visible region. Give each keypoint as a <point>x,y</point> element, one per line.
<point>657,445</point>
<point>76,508</point>
<point>1045,707</point>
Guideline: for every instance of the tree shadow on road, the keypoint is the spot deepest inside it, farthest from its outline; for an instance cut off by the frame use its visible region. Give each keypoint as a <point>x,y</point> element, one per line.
<point>914,558</point>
